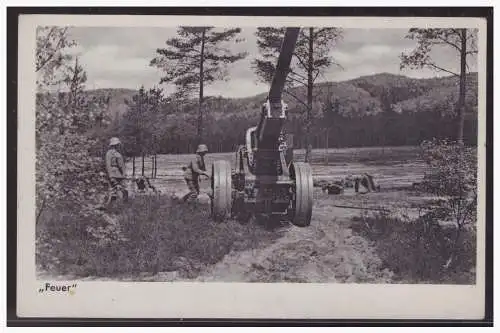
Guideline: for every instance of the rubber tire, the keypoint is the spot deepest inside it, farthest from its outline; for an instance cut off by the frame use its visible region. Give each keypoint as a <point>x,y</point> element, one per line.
<point>302,203</point>
<point>221,191</point>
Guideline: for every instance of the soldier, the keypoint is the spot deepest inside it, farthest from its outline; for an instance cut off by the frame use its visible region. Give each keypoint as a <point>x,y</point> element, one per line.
<point>115,168</point>
<point>367,182</point>
<point>192,172</point>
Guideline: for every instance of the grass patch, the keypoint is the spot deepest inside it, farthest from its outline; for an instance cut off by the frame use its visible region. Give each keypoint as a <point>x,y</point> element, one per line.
<point>149,234</point>
<point>417,251</point>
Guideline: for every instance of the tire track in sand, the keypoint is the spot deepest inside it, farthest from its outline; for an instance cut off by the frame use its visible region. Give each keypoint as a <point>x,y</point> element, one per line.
<point>326,251</point>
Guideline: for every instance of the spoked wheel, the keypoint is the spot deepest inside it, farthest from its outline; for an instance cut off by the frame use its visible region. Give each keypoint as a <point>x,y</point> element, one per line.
<point>302,200</point>
<point>220,203</point>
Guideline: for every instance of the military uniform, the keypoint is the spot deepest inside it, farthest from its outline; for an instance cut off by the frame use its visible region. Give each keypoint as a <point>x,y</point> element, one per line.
<point>192,172</point>
<point>115,168</point>
<point>367,182</point>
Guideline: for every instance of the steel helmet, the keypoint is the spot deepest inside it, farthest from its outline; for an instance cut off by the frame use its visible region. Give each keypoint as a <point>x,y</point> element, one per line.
<point>114,142</point>
<point>202,148</point>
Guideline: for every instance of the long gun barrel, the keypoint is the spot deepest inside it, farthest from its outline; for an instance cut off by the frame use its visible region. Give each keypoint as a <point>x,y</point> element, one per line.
<point>273,112</point>
<point>283,66</point>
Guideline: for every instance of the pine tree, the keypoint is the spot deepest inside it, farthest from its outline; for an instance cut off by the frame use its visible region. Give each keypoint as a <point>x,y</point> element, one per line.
<point>196,58</point>
<point>464,41</point>
<point>311,58</point>
<point>139,126</point>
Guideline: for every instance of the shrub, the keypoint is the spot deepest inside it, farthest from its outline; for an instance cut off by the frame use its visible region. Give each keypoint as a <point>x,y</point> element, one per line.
<point>415,250</point>
<point>65,170</point>
<point>452,169</point>
<point>451,175</point>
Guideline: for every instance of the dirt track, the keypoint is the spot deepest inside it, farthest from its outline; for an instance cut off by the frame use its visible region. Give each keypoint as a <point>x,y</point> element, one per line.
<point>327,251</point>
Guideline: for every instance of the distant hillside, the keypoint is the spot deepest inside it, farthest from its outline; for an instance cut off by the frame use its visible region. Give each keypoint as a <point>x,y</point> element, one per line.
<point>376,110</point>
<point>357,97</point>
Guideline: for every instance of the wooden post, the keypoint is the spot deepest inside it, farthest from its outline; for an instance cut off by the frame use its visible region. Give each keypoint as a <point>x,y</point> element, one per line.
<point>155,168</point>
<point>152,166</point>
<point>143,164</point>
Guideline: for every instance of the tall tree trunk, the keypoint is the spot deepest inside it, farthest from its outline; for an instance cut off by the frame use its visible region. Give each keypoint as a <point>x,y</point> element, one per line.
<point>461,94</point>
<point>200,110</point>
<point>326,144</point>
<point>310,68</point>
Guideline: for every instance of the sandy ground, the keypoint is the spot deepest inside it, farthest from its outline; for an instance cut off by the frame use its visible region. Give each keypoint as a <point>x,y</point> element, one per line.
<point>327,251</point>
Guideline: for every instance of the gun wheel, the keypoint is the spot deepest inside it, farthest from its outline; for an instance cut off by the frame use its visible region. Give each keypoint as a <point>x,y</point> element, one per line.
<point>302,200</point>
<point>220,203</point>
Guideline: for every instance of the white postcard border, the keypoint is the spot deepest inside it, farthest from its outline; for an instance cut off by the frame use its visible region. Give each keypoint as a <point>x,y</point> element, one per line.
<point>231,300</point>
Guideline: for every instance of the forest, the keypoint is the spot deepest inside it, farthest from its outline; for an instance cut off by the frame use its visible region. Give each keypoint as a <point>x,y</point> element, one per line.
<point>377,110</point>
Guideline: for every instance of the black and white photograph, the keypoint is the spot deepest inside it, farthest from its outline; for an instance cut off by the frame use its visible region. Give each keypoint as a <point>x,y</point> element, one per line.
<point>320,152</point>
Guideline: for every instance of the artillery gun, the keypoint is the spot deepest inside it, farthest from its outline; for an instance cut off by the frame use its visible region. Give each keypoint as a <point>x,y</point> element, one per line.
<point>265,180</point>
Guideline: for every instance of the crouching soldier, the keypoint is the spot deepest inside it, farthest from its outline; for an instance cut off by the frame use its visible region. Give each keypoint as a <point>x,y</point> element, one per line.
<point>366,180</point>
<point>193,171</point>
<point>115,168</point>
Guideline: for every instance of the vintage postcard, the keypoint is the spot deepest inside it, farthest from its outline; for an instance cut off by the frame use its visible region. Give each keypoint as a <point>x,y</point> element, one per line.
<point>251,167</point>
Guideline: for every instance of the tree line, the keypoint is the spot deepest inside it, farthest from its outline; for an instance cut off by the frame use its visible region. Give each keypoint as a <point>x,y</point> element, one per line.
<point>335,123</point>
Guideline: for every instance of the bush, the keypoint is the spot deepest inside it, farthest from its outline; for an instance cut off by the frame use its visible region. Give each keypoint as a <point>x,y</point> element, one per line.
<point>150,234</point>
<point>65,170</point>
<point>452,169</point>
<point>452,176</point>
<point>417,250</point>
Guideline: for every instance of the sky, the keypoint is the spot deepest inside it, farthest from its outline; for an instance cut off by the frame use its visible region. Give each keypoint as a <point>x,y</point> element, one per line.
<point>119,58</point>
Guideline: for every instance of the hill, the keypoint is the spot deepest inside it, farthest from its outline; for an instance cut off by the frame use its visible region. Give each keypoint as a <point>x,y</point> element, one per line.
<point>381,109</point>
<point>358,97</point>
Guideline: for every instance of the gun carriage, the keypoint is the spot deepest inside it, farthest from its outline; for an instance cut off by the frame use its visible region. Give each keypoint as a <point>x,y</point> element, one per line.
<point>265,180</point>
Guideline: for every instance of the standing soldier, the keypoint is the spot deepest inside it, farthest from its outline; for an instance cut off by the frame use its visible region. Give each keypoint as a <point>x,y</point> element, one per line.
<point>115,168</point>
<point>193,171</point>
